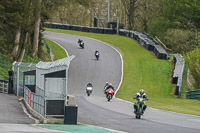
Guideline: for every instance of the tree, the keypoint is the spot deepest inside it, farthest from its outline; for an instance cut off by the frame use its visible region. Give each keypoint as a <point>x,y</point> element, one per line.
<point>147,12</point>
<point>129,7</point>
<point>183,14</point>
<point>37,26</point>
<point>13,19</point>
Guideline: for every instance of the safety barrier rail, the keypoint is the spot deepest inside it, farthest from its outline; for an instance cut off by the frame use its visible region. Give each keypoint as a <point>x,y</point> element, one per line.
<point>193,94</point>
<point>36,102</point>
<point>147,42</point>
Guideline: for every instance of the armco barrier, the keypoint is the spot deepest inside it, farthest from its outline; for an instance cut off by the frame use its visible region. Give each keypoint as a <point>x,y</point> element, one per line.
<point>194,94</point>
<point>177,76</point>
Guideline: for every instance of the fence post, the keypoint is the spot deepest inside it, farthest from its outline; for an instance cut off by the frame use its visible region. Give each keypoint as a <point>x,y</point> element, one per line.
<point>7,87</point>
<point>3,87</point>
<point>18,79</point>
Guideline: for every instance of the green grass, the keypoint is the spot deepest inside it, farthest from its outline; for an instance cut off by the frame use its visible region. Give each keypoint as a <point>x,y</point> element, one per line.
<point>58,51</point>
<point>142,70</point>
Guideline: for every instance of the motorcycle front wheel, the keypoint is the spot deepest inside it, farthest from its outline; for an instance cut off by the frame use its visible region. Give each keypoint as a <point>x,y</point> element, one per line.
<point>137,116</point>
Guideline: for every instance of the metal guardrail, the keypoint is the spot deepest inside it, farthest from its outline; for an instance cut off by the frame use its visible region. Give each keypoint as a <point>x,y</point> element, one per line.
<point>43,105</point>
<point>36,102</point>
<point>3,87</point>
<point>194,94</point>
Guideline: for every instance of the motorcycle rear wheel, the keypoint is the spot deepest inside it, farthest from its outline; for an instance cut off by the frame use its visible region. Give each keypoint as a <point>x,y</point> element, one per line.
<point>109,99</point>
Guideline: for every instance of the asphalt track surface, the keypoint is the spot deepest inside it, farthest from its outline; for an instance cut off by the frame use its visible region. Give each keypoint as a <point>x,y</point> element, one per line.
<point>14,120</point>
<point>116,114</point>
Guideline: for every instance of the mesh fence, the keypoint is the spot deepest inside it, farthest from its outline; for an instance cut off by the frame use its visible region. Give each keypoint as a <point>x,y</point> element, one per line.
<point>18,69</point>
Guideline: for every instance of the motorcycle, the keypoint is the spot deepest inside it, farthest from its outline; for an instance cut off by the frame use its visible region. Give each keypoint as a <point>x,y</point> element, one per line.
<point>139,108</point>
<point>97,55</point>
<point>89,91</point>
<point>81,44</point>
<point>109,94</point>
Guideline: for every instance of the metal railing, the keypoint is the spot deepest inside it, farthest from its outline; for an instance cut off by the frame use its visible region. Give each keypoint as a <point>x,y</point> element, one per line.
<point>194,94</point>
<point>42,104</point>
<point>3,86</point>
<point>36,102</point>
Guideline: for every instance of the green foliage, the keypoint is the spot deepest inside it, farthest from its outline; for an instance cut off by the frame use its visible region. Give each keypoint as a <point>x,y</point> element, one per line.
<point>5,66</point>
<point>29,59</point>
<point>193,63</point>
<point>180,40</point>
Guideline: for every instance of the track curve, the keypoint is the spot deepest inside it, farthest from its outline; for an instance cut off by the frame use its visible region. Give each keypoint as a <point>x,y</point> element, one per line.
<point>117,114</point>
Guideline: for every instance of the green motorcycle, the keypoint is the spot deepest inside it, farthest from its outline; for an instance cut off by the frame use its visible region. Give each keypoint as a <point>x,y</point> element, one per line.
<point>139,107</point>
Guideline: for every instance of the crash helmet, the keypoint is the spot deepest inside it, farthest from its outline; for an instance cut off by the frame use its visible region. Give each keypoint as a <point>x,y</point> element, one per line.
<point>106,83</point>
<point>110,85</point>
<point>141,92</point>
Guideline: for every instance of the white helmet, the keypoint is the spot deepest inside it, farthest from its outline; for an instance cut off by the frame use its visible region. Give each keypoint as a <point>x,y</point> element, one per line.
<point>141,92</point>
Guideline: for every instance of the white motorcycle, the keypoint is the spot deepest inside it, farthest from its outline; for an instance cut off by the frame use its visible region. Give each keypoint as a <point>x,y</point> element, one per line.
<point>97,55</point>
<point>89,91</point>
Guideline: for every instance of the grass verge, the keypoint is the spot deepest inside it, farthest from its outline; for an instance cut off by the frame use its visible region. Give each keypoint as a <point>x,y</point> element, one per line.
<point>143,71</point>
<point>58,51</point>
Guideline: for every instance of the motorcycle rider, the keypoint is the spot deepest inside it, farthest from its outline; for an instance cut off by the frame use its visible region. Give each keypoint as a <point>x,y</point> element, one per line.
<point>89,84</point>
<point>97,52</point>
<point>138,95</point>
<point>79,40</point>
<point>108,87</point>
<point>105,87</point>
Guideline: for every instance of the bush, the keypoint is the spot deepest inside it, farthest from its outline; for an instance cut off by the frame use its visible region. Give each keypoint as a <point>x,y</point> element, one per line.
<point>180,40</point>
<point>193,62</point>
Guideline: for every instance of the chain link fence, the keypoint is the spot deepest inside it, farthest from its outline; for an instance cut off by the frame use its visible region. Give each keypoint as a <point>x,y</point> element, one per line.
<point>18,69</point>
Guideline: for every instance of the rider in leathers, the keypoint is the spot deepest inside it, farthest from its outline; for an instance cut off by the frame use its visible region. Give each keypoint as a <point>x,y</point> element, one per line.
<point>108,87</point>
<point>89,84</point>
<point>137,96</point>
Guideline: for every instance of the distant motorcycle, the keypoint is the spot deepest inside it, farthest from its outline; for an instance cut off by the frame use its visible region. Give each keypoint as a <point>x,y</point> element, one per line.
<point>97,55</point>
<point>89,91</point>
<point>81,43</point>
<point>109,94</point>
<point>140,105</point>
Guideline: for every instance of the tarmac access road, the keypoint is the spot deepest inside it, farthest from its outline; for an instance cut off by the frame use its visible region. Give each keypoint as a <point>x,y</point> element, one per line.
<point>14,120</point>
<point>116,114</point>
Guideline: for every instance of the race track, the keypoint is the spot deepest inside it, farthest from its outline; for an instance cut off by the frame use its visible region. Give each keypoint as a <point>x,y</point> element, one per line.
<point>117,114</point>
